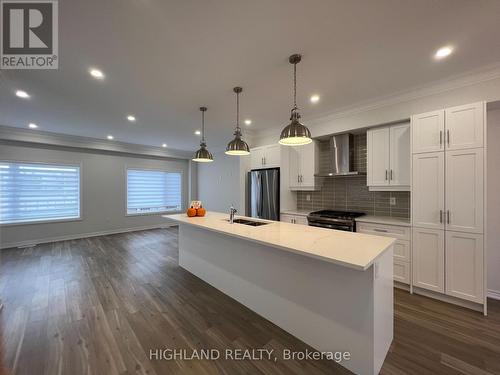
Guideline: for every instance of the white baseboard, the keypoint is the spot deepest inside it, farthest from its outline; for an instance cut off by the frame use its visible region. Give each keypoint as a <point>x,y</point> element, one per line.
<point>82,235</point>
<point>494,294</point>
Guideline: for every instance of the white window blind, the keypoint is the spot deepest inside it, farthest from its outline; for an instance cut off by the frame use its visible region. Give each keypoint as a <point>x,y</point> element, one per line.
<point>37,192</point>
<point>153,191</point>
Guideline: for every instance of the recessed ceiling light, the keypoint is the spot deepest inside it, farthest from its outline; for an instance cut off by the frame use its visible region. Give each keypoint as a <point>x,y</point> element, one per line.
<point>131,118</point>
<point>32,125</point>
<point>314,98</point>
<point>164,145</point>
<point>110,137</point>
<point>248,122</point>
<point>96,73</point>
<point>443,52</point>
<point>197,132</point>
<point>22,94</point>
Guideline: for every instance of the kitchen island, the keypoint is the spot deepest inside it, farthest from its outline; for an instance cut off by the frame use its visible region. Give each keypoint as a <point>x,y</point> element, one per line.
<point>331,289</point>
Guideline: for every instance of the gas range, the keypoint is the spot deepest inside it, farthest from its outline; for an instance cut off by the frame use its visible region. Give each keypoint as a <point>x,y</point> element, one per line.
<point>340,220</point>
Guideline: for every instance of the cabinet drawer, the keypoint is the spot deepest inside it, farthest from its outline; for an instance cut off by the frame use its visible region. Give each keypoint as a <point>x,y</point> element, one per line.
<point>401,271</point>
<point>401,233</point>
<point>402,250</point>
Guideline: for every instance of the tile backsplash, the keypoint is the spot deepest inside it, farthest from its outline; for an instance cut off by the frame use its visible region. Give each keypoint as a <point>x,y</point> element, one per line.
<point>351,193</point>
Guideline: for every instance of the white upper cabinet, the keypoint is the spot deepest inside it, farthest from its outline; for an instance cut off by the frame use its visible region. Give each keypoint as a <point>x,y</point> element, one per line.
<point>464,126</point>
<point>388,157</point>
<point>428,259</point>
<point>464,190</point>
<point>464,266</point>
<point>428,190</point>
<point>265,157</point>
<point>303,165</point>
<point>427,132</point>
<point>400,155</point>
<point>378,156</point>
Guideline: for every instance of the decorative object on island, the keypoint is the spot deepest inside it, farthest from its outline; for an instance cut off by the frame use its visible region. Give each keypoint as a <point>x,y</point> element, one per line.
<point>191,211</point>
<point>295,133</point>
<point>201,211</point>
<point>237,146</point>
<point>203,155</point>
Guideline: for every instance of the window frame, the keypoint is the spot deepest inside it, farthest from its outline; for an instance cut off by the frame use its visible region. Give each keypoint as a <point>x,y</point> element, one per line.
<point>79,165</point>
<point>137,168</point>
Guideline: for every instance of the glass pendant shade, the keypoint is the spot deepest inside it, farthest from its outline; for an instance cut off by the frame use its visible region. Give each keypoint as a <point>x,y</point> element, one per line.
<point>203,155</point>
<point>295,133</point>
<point>237,146</point>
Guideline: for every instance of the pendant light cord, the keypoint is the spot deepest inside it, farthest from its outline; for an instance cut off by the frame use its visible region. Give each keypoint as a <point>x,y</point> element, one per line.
<point>203,126</point>
<point>295,86</point>
<point>238,111</point>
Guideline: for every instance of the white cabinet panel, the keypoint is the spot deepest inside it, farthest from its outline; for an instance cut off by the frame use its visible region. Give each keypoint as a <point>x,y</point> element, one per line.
<point>294,167</point>
<point>386,230</point>
<point>464,266</point>
<point>303,165</point>
<point>464,126</point>
<point>464,190</point>
<point>287,218</point>
<point>428,190</point>
<point>378,140</point>
<point>265,157</point>
<point>427,132</point>
<point>399,155</point>
<point>402,250</point>
<point>428,259</point>
<point>301,220</point>
<point>272,156</point>
<point>401,271</point>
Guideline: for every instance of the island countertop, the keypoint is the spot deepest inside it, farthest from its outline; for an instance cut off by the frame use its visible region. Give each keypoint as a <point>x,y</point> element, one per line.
<point>353,250</point>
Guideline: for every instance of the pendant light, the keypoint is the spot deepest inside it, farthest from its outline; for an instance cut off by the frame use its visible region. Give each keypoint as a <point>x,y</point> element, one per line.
<point>237,146</point>
<point>295,133</point>
<point>203,155</point>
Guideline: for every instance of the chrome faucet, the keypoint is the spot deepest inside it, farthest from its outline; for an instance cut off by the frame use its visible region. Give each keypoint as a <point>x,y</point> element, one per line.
<point>232,211</point>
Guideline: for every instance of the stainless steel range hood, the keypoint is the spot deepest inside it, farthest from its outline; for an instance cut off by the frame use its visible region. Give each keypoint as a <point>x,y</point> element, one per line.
<point>341,157</point>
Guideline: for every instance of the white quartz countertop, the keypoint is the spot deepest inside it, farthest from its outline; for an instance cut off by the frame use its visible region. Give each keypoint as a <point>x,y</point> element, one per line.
<point>383,220</point>
<point>354,250</point>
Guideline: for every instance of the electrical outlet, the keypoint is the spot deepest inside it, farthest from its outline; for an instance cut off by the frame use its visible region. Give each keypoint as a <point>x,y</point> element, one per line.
<point>392,201</point>
<point>308,197</point>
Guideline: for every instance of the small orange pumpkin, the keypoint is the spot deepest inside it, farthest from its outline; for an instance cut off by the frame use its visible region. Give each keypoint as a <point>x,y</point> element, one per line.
<point>191,212</point>
<point>201,211</point>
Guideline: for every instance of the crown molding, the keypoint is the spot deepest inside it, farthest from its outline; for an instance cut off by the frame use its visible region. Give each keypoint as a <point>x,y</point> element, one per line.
<point>26,136</point>
<point>473,77</point>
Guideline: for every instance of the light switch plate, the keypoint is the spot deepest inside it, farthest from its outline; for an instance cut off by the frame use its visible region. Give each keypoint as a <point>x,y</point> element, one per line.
<point>308,197</point>
<point>392,201</point>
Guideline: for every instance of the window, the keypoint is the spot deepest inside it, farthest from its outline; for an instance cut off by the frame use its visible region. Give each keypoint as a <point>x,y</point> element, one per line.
<point>150,191</point>
<point>31,192</point>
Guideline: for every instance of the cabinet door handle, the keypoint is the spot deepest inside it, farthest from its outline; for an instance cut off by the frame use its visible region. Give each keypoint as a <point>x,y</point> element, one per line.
<point>440,216</point>
<point>391,175</point>
<point>298,179</point>
<point>262,161</point>
<point>301,179</point>
<point>380,230</point>
<point>440,138</point>
<point>386,174</point>
<point>448,216</point>
<point>448,137</point>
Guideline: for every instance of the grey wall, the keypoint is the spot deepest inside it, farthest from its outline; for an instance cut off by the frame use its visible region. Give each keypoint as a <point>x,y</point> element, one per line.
<point>103,192</point>
<point>351,193</point>
<point>222,182</point>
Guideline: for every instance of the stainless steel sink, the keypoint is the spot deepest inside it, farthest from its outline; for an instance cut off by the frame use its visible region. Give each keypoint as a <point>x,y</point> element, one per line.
<point>249,222</point>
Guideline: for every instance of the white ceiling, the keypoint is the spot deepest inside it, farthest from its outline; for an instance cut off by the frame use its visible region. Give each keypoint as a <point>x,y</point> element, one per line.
<point>164,59</point>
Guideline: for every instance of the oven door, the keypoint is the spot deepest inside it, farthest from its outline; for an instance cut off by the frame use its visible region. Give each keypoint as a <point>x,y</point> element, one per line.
<point>338,225</point>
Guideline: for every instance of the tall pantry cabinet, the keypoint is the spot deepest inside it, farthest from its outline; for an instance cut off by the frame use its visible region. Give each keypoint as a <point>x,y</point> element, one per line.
<point>448,199</point>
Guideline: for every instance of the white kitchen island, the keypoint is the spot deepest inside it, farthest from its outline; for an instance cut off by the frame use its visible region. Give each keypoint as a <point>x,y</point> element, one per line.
<point>331,289</point>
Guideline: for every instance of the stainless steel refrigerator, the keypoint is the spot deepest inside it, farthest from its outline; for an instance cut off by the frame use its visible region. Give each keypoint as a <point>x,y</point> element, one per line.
<point>264,193</point>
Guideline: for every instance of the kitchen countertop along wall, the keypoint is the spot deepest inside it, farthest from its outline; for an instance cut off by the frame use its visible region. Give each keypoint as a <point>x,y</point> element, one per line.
<point>351,193</point>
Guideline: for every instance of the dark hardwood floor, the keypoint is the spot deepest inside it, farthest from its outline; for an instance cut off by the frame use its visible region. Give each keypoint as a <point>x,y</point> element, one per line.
<point>99,305</point>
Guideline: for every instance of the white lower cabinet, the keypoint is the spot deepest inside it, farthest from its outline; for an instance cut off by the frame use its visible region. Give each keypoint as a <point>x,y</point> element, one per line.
<point>464,266</point>
<point>294,219</point>
<point>428,259</point>
<point>402,246</point>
